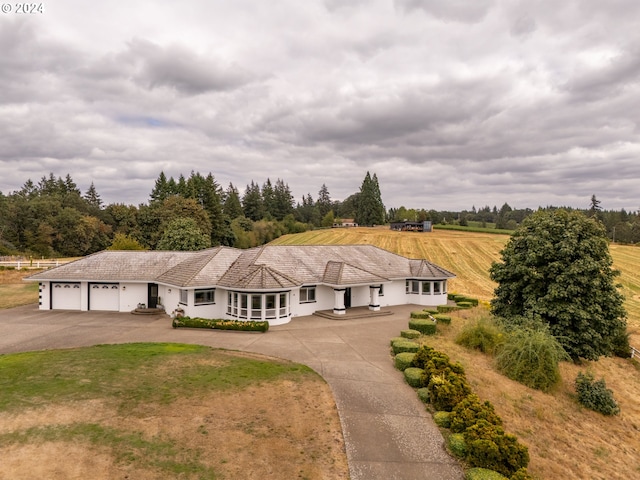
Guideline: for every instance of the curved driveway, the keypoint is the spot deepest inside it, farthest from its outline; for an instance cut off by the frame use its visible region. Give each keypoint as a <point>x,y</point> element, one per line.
<point>388,433</point>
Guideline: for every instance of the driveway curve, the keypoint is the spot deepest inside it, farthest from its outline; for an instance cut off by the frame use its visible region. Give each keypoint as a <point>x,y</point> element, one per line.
<point>388,433</point>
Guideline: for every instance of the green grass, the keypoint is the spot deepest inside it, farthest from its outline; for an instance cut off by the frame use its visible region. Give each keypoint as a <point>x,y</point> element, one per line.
<point>129,374</point>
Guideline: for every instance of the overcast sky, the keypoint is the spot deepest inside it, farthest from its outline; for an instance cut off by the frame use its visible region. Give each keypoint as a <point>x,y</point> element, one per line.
<point>452,103</point>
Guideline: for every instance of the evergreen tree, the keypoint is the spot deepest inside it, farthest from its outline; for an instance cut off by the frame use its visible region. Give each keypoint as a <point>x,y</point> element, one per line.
<point>268,199</point>
<point>556,269</point>
<point>160,190</point>
<point>232,206</point>
<point>370,209</point>
<point>324,201</point>
<point>92,197</point>
<point>283,200</point>
<point>252,202</point>
<point>594,207</point>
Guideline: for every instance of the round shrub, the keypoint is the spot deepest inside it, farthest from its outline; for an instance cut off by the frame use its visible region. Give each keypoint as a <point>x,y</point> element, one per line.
<point>404,345</point>
<point>483,474</point>
<point>403,360</point>
<point>483,335</point>
<point>446,319</point>
<point>423,394</point>
<point>442,419</point>
<point>409,334</point>
<point>413,376</point>
<point>447,389</point>
<point>424,326</point>
<point>531,357</point>
<point>489,447</point>
<point>457,445</point>
<point>471,410</point>
<point>595,395</point>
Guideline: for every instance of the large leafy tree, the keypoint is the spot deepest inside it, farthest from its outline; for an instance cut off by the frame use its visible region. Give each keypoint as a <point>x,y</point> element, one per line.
<point>183,234</point>
<point>556,268</point>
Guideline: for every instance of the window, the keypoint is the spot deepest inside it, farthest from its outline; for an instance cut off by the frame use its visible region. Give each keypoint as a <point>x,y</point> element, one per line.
<point>413,286</point>
<point>205,296</point>
<point>381,291</point>
<point>256,306</point>
<point>307,294</point>
<point>426,288</point>
<point>283,305</point>
<point>270,305</point>
<point>436,288</point>
<point>184,296</point>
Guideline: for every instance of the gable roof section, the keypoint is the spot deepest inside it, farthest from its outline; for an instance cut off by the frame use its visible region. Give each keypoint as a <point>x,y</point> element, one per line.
<point>262,268</point>
<point>340,273</point>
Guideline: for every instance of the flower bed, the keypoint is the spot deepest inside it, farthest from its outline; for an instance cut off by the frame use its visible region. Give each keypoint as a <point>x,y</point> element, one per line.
<point>221,324</point>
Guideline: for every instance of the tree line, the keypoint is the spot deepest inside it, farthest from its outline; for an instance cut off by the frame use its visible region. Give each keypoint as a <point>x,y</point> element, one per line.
<point>54,218</point>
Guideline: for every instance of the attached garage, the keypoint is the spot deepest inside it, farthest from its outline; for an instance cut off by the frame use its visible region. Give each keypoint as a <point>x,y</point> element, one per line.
<point>65,295</point>
<point>104,296</point>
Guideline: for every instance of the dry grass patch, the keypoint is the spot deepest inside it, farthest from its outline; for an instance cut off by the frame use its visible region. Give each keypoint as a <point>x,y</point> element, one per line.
<point>108,414</point>
<point>15,292</point>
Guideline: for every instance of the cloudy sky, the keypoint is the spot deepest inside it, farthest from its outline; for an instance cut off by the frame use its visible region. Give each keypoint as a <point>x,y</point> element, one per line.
<point>452,103</point>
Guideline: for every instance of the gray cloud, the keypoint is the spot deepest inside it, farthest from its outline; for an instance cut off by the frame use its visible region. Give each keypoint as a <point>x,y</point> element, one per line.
<point>451,105</point>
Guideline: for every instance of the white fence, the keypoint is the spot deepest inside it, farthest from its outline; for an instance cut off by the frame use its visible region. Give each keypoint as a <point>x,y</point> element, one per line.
<point>30,264</point>
<point>635,353</point>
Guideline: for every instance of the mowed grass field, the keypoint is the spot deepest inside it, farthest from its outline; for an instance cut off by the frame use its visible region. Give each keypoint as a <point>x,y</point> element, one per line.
<point>565,440</point>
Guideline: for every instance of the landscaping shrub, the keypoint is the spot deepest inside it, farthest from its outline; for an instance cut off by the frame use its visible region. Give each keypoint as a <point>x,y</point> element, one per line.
<point>446,319</point>
<point>220,324</point>
<point>521,474</point>
<point>423,355</point>
<point>620,344</point>
<point>483,335</point>
<point>420,314</point>
<point>465,305</point>
<point>446,308</point>
<point>595,395</point>
<point>439,363</point>
<point>489,447</point>
<point>396,339</point>
<point>483,474</point>
<point>457,445</point>
<point>430,311</point>
<point>531,357</point>
<point>451,296</point>
<point>413,376</point>
<point>469,411</point>
<point>404,345</point>
<point>410,334</point>
<point>447,389</point>
<point>423,394</point>
<point>442,419</point>
<point>473,301</point>
<point>403,360</point>
<point>426,327</point>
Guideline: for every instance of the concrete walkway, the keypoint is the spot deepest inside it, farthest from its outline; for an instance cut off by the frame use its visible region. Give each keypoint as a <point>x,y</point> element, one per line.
<point>388,433</point>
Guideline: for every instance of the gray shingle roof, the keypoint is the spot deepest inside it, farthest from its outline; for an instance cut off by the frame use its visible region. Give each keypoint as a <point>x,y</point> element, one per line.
<point>265,268</point>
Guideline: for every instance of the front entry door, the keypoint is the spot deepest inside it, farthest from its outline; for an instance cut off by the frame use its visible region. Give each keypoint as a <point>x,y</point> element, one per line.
<point>152,301</point>
<point>347,297</point>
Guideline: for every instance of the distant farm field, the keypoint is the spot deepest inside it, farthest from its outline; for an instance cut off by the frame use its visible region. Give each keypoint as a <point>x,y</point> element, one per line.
<point>469,255</point>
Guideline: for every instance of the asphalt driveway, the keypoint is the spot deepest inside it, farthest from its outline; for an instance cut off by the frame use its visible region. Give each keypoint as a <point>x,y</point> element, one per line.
<point>388,433</point>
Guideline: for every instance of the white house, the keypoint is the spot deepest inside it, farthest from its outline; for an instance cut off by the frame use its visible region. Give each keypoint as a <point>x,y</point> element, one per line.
<point>272,282</point>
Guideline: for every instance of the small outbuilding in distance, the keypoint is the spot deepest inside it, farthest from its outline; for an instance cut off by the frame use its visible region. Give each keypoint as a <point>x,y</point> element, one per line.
<point>411,226</point>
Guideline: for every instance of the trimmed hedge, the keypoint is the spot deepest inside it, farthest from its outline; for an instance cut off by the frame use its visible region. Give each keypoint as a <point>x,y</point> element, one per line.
<point>446,319</point>
<point>423,394</point>
<point>220,324</point>
<point>404,345</point>
<point>420,314</point>
<point>431,311</point>
<point>462,299</point>
<point>483,474</point>
<point>426,327</point>
<point>464,305</point>
<point>396,339</point>
<point>403,360</point>
<point>446,308</point>
<point>410,334</point>
<point>442,419</point>
<point>413,376</point>
<point>457,445</point>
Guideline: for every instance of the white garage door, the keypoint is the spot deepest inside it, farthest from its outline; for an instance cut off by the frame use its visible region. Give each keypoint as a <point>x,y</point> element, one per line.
<point>65,296</point>
<point>104,296</point>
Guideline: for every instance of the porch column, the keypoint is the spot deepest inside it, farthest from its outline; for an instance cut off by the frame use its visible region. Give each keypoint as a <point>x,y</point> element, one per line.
<point>338,304</point>
<point>374,303</point>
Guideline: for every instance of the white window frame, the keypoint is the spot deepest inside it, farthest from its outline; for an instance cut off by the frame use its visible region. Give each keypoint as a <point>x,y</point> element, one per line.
<point>184,297</point>
<point>308,294</point>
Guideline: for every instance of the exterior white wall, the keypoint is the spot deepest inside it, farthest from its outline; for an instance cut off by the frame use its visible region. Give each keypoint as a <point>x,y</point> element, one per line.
<point>324,301</point>
<point>45,295</point>
<point>360,296</point>
<point>393,294</point>
<point>170,297</point>
<point>131,294</point>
